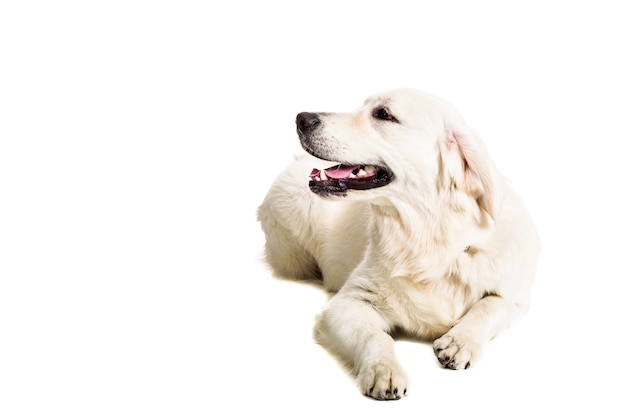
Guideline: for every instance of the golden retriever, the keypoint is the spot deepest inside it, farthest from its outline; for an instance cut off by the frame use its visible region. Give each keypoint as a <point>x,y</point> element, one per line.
<point>411,225</point>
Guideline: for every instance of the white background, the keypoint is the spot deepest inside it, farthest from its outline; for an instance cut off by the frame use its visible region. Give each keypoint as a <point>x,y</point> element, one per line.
<point>137,139</point>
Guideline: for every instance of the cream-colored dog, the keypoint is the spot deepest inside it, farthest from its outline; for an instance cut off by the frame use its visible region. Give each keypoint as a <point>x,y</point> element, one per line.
<point>411,224</point>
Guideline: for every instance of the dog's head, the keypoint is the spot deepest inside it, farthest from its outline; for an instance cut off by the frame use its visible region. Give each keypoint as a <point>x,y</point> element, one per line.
<point>398,141</point>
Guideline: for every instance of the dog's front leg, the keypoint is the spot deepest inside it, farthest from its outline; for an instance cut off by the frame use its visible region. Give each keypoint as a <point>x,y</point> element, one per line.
<point>354,330</point>
<point>463,344</point>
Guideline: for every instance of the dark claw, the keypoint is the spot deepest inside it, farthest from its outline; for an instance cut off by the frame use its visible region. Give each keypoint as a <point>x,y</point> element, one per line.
<point>467,366</point>
<point>444,360</point>
<point>395,391</point>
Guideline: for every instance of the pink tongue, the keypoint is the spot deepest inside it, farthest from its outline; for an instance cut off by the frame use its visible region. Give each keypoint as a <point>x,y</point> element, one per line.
<point>340,171</point>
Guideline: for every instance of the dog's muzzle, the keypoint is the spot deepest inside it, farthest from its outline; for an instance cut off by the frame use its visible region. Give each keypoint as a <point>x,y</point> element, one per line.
<point>339,179</point>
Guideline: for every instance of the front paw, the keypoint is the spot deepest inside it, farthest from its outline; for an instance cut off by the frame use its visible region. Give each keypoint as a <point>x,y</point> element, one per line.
<point>383,381</point>
<point>456,351</point>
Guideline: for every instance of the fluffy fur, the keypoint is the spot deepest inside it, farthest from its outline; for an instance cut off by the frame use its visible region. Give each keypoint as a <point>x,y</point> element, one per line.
<point>446,251</point>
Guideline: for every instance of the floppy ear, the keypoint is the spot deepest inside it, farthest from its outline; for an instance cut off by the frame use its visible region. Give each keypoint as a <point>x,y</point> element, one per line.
<point>469,168</point>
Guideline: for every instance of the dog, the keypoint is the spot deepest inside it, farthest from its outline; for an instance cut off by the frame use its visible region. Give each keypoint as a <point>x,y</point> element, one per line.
<point>398,209</point>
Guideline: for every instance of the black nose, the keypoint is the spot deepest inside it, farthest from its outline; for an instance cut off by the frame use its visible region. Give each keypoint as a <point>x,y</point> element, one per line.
<point>307,122</point>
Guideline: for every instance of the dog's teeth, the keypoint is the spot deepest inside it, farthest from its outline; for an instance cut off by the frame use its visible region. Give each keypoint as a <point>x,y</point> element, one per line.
<point>370,168</point>
<point>351,176</point>
<point>323,176</point>
<point>361,173</point>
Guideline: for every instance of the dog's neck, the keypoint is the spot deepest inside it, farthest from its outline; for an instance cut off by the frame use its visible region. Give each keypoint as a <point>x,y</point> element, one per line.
<point>410,234</point>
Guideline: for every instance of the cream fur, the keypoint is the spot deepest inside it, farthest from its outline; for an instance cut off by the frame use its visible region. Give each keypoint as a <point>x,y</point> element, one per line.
<point>446,251</point>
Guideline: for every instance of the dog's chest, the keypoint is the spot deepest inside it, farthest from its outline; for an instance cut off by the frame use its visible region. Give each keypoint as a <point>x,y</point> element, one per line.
<point>427,307</point>
<point>426,297</point>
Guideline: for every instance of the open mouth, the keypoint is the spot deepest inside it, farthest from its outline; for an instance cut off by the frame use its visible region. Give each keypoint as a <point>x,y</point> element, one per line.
<point>337,180</point>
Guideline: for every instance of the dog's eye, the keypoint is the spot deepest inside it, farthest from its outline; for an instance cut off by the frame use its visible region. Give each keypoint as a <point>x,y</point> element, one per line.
<point>382,114</point>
